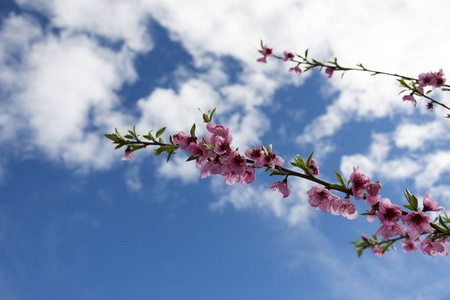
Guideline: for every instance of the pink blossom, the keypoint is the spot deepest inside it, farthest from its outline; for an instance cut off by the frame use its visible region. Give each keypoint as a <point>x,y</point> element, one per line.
<point>426,79</point>
<point>265,52</point>
<point>296,70</point>
<point>430,204</point>
<point>237,163</point>
<point>416,223</point>
<point>388,213</point>
<point>410,98</point>
<point>288,56</point>
<point>371,218</point>
<point>439,80</point>
<point>128,154</point>
<point>231,177</point>
<point>359,182</point>
<point>282,188</point>
<point>313,168</point>
<point>262,60</point>
<point>378,251</point>
<point>408,245</point>
<point>249,176</point>
<point>321,198</point>
<point>212,167</point>
<point>389,231</point>
<point>373,196</point>
<point>364,237</point>
<point>329,71</point>
<point>256,154</point>
<point>430,247</point>
<point>345,208</point>
<point>273,160</point>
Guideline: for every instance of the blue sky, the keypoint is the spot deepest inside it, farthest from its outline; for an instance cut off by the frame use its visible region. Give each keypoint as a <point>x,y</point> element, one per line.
<point>78,223</point>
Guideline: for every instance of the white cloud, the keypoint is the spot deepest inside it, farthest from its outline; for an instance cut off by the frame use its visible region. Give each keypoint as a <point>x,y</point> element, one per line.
<point>294,210</point>
<point>177,168</point>
<point>115,20</point>
<point>414,136</point>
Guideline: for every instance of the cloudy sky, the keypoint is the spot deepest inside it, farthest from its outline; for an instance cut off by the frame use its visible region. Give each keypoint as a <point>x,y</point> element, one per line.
<point>76,222</point>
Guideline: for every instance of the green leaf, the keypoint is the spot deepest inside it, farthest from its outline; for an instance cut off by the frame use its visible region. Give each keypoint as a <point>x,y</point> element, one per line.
<point>335,186</point>
<point>212,114</point>
<point>191,158</point>
<point>159,132</point>
<point>170,155</point>
<point>112,137</point>
<point>119,146</point>
<point>412,200</point>
<point>359,251</point>
<point>193,130</point>
<point>339,178</point>
<point>129,136</point>
<point>277,172</point>
<point>119,135</point>
<point>447,229</point>
<point>408,207</point>
<point>308,162</point>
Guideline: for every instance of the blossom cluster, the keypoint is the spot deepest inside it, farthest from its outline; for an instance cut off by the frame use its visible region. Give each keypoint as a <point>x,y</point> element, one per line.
<point>213,152</point>
<point>322,199</point>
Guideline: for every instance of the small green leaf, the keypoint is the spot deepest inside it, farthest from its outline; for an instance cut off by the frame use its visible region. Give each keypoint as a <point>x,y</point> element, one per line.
<point>159,132</point>
<point>129,136</point>
<point>193,130</point>
<point>191,158</point>
<point>212,114</point>
<point>339,178</point>
<point>119,146</point>
<point>408,207</point>
<point>308,162</point>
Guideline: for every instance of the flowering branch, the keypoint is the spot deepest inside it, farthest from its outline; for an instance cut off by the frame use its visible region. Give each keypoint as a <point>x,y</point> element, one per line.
<point>414,85</point>
<point>214,154</point>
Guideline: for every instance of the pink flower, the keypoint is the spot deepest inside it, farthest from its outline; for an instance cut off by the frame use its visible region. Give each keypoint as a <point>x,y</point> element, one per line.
<point>364,237</point>
<point>430,247</point>
<point>345,208</point>
<point>426,79</point>
<point>249,176</point>
<point>410,98</point>
<point>329,71</point>
<point>282,188</point>
<point>296,70</point>
<point>313,168</point>
<point>212,167</point>
<point>408,245</point>
<point>439,80</point>
<point>387,231</point>
<point>373,193</point>
<point>237,163</point>
<point>288,56</point>
<point>378,251</point>
<point>128,154</point>
<point>262,60</point>
<point>371,218</point>
<point>388,213</point>
<point>416,223</point>
<point>265,52</point>
<point>430,204</point>
<point>273,160</point>
<point>321,198</point>
<point>256,154</point>
<point>359,182</point>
